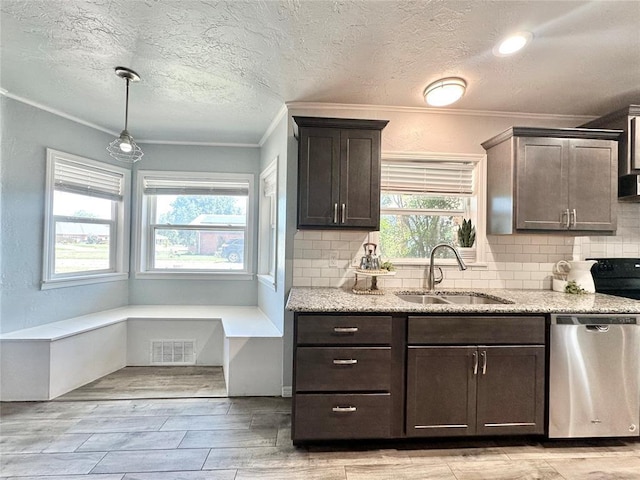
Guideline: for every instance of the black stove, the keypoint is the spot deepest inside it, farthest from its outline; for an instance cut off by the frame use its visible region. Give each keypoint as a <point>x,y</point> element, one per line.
<point>617,276</point>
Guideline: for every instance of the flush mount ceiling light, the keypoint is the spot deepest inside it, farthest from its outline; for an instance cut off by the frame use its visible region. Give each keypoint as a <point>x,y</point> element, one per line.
<point>124,148</point>
<point>512,44</point>
<point>445,91</point>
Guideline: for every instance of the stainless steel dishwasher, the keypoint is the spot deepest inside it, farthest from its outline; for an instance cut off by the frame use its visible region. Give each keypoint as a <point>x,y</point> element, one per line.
<point>594,376</point>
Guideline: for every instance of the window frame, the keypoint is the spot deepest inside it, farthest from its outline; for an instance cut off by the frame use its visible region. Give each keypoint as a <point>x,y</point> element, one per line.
<point>476,208</point>
<point>268,227</point>
<point>145,247</point>
<point>118,225</point>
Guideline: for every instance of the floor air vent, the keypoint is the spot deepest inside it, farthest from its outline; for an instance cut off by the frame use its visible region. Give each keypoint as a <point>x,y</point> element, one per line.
<point>173,352</point>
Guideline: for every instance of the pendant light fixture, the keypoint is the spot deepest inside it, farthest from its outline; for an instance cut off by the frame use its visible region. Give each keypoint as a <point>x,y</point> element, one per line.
<point>124,148</point>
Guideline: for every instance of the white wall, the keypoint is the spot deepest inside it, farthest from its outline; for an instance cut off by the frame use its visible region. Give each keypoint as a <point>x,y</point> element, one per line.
<point>195,292</point>
<point>26,133</point>
<point>271,301</point>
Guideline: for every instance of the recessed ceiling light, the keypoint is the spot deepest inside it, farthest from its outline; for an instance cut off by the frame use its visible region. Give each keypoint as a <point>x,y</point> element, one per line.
<point>445,91</point>
<point>512,44</point>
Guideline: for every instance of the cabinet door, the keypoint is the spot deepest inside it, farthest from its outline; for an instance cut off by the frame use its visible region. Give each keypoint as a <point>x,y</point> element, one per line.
<point>318,177</point>
<point>360,178</point>
<point>441,391</point>
<point>634,145</point>
<point>542,196</point>
<point>592,184</point>
<point>511,390</point>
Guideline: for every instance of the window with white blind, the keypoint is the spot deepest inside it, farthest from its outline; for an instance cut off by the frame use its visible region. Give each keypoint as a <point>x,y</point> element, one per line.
<point>424,199</point>
<point>194,224</point>
<point>86,228</point>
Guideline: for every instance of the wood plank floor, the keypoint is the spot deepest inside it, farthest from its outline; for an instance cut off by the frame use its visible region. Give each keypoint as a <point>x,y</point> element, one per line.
<point>249,438</point>
<point>154,382</point>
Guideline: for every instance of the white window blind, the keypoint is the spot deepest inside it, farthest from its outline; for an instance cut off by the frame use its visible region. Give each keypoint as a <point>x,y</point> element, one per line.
<point>428,176</point>
<point>80,178</point>
<point>194,186</point>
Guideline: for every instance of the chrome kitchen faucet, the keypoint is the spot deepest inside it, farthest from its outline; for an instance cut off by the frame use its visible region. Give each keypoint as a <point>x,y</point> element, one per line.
<point>431,281</point>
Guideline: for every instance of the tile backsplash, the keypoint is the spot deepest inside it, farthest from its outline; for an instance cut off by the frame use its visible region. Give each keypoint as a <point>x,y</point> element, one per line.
<point>511,261</point>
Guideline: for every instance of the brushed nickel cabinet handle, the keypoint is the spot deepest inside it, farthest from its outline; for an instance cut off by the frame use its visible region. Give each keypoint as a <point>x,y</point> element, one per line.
<point>344,213</point>
<point>567,215</point>
<point>573,216</point>
<point>483,355</point>
<point>350,361</point>
<point>475,363</point>
<point>344,409</point>
<point>345,329</point>
<point>335,213</point>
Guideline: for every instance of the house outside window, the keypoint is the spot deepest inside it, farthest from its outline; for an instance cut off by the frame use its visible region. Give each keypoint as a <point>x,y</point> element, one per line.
<point>424,199</point>
<point>86,221</point>
<point>194,224</point>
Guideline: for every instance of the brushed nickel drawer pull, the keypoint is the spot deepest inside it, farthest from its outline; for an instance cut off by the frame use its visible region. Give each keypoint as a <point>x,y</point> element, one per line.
<point>350,361</point>
<point>344,409</point>
<point>345,329</point>
<point>483,355</point>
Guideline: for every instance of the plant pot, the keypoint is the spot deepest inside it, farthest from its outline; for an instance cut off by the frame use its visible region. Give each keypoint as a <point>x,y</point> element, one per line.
<point>468,254</point>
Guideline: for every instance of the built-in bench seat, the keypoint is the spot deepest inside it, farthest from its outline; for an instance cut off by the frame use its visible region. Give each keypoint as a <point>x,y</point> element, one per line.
<point>44,362</point>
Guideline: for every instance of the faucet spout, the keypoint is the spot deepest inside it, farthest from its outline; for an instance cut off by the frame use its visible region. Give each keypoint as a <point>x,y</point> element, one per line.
<point>430,279</point>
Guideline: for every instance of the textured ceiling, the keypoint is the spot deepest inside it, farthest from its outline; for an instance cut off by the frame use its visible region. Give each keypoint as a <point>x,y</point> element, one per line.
<point>219,71</point>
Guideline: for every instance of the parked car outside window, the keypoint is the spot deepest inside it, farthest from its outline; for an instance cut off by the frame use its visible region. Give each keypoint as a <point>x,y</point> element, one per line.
<point>233,250</point>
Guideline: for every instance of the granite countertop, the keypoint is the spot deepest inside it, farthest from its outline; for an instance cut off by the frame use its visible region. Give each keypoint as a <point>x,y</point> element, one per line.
<point>310,299</point>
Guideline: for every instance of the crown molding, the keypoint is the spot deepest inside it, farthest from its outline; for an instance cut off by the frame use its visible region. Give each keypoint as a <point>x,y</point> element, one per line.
<point>274,123</point>
<point>198,144</point>
<point>100,128</point>
<point>431,110</point>
<point>57,112</point>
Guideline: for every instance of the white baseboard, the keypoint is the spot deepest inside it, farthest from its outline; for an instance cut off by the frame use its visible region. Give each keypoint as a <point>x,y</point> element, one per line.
<point>287,392</point>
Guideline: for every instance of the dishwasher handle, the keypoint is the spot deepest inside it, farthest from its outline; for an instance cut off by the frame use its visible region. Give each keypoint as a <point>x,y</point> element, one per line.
<point>598,328</point>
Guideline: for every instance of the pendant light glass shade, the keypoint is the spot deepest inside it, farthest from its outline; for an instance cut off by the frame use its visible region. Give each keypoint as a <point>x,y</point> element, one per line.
<point>445,91</point>
<point>124,148</point>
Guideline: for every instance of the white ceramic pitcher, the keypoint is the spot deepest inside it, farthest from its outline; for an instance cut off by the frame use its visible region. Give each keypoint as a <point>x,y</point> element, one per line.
<point>580,272</point>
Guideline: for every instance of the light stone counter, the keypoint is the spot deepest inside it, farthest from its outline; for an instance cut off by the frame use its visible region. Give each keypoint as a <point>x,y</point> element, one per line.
<point>309,299</point>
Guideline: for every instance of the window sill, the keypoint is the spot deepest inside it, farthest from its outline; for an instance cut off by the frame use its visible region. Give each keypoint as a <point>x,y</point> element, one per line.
<point>441,262</point>
<point>268,280</point>
<point>80,281</point>
<point>193,276</point>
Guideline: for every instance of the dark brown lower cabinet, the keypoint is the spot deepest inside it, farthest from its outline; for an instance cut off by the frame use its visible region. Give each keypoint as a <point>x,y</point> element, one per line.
<point>475,390</point>
<point>383,376</point>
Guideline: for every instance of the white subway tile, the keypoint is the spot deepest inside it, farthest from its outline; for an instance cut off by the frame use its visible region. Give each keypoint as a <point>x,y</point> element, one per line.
<point>302,282</point>
<point>322,282</point>
<point>515,284</point>
<point>330,235</point>
<point>312,235</point>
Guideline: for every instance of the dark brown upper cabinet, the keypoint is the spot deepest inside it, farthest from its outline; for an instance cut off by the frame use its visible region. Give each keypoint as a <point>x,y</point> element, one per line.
<point>544,179</point>
<point>339,172</point>
<point>627,120</point>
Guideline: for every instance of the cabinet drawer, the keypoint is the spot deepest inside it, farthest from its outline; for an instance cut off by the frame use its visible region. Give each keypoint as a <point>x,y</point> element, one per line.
<point>341,416</point>
<point>343,369</point>
<point>476,330</point>
<point>343,330</point>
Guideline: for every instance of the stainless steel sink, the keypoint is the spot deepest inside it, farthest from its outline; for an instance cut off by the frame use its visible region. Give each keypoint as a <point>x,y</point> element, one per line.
<point>449,299</point>
<point>424,299</point>
<point>471,299</point>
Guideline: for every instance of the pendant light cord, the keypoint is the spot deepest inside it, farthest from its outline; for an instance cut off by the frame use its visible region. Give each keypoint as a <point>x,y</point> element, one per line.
<point>126,108</point>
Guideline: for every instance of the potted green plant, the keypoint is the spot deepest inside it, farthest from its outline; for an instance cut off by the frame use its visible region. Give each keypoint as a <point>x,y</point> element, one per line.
<point>467,240</point>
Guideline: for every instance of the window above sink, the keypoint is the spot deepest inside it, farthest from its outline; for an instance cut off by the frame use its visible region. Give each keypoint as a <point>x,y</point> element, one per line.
<point>424,198</point>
